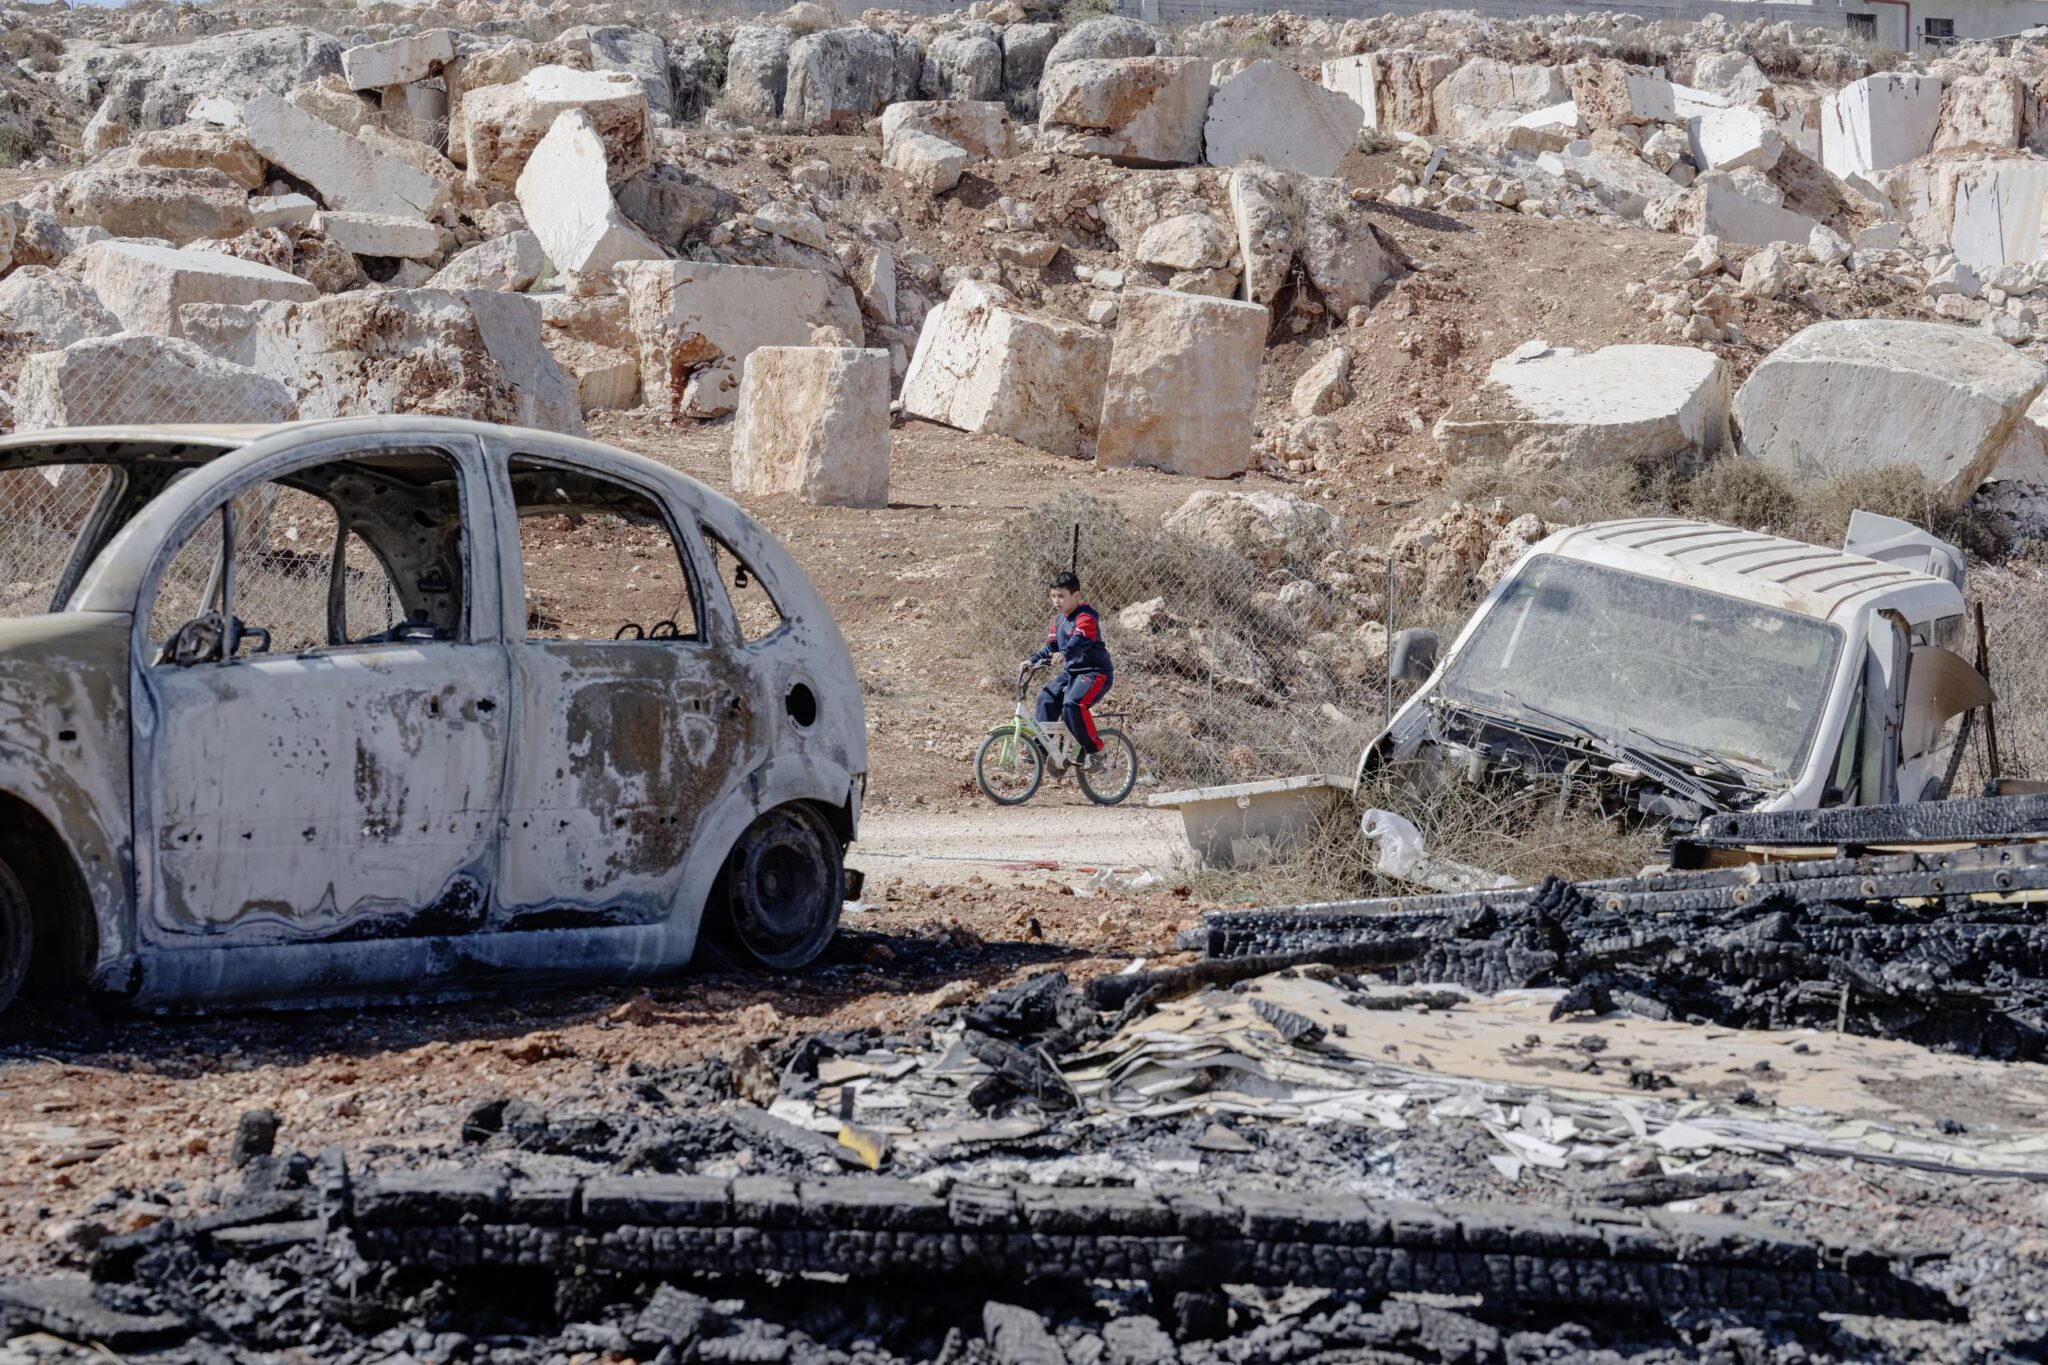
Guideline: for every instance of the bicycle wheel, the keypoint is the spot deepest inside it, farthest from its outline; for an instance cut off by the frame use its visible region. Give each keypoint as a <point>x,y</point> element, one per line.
<point>1117,772</point>
<point>1008,768</point>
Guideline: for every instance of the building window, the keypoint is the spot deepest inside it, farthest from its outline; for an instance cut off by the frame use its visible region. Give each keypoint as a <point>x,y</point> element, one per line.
<point>1938,33</point>
<point>1863,26</point>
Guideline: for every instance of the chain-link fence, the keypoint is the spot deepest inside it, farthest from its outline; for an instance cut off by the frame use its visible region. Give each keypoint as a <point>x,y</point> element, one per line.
<point>1243,644</point>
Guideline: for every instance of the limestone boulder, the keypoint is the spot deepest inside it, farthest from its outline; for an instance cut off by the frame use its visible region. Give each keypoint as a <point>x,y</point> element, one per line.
<point>474,354</point>
<point>1393,88</point>
<point>694,323</point>
<point>1734,76</point>
<point>380,235</point>
<point>1025,49</point>
<point>282,210</point>
<point>348,175</point>
<point>160,82</point>
<point>178,206</point>
<point>201,146</point>
<point>1846,396</point>
<point>1612,94</point>
<point>929,163</point>
<point>1879,122</point>
<point>635,51</point>
<point>840,78</point>
<point>512,263</point>
<point>1283,218</point>
<point>1721,205</point>
<point>1109,36</point>
<point>982,127</point>
<point>983,364</point>
<point>1187,241</point>
<point>1268,113</point>
<point>145,285</point>
<point>502,124</point>
<point>1324,386</point>
<point>756,73</point>
<point>1544,406</point>
<point>1264,529</point>
<point>966,64</point>
<point>1138,111</point>
<point>297,250</point>
<point>133,378</point>
<point>814,421</point>
<point>668,204</point>
<point>1183,384</point>
<point>1729,139</point>
<point>398,61</point>
<point>1486,93</point>
<point>46,310</point>
<point>1627,184</point>
<point>1992,112</point>
<point>1543,130</point>
<point>591,338</point>
<point>568,203</point>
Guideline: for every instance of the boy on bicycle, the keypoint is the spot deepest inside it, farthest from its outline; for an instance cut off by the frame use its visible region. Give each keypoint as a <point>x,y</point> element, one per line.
<point>1075,643</point>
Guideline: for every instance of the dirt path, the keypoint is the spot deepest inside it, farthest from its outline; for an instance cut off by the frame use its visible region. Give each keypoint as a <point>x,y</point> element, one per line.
<point>1060,837</point>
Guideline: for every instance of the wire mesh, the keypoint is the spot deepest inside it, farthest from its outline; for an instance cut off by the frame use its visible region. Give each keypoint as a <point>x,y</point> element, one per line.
<point>1231,663</point>
<point>42,512</point>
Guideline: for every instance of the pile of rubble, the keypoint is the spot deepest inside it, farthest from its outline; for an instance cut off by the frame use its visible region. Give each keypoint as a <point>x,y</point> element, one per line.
<point>501,218</point>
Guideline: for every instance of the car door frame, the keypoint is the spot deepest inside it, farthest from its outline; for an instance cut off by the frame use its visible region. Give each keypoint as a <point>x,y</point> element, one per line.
<point>201,496</point>
<point>728,667</point>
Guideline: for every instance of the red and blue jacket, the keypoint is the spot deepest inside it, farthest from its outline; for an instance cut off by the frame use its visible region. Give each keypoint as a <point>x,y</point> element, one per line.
<point>1077,638</point>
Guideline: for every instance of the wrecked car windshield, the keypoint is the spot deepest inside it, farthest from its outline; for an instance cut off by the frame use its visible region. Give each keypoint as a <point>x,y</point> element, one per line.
<point>1637,658</point>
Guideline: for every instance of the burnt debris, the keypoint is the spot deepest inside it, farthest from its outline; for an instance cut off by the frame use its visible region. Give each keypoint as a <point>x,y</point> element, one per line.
<point>1946,949</point>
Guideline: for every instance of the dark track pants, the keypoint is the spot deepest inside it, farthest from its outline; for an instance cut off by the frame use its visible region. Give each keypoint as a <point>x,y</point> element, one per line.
<point>1069,696</point>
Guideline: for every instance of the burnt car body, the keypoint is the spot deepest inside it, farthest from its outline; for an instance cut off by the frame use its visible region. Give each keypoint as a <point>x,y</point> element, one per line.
<point>288,724</point>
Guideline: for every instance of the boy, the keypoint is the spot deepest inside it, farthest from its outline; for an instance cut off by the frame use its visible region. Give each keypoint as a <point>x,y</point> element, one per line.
<point>1075,642</point>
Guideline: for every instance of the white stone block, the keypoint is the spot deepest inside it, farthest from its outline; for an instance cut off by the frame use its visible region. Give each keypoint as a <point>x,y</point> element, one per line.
<point>1549,406</point>
<point>981,127</point>
<point>142,380</point>
<point>1268,113</point>
<point>398,61</point>
<point>502,124</point>
<point>1140,111</point>
<point>1879,122</point>
<point>1183,384</point>
<point>814,421</point>
<point>568,204</point>
<point>983,364</point>
<point>145,285</point>
<point>348,175</point>
<point>377,234</point>
<point>1846,396</point>
<point>281,210</point>
<point>1727,139</point>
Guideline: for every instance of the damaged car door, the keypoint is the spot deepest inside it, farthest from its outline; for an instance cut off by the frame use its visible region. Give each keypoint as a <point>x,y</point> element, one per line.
<point>320,743</point>
<point>636,709</point>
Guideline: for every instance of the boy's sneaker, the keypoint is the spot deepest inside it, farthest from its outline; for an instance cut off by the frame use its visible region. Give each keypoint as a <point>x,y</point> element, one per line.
<point>1089,763</point>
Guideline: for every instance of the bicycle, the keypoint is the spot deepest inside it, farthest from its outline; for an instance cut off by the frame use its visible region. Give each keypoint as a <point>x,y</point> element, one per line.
<point>1014,758</point>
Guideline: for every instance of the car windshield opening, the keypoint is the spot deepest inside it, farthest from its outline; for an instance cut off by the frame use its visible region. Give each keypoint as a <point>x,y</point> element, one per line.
<point>1634,658</point>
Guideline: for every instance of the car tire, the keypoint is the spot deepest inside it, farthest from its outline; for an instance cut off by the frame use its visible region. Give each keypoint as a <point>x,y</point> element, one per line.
<point>17,936</point>
<point>777,901</point>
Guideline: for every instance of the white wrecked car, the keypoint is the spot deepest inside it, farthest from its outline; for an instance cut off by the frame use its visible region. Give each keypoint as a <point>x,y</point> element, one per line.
<point>1698,668</point>
<point>284,713</point>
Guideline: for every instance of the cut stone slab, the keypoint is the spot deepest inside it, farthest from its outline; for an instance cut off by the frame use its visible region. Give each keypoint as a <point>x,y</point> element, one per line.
<point>511,263</point>
<point>1136,111</point>
<point>145,285</point>
<point>474,354</point>
<point>1727,139</point>
<point>1268,113</point>
<point>814,421</point>
<point>136,379</point>
<point>1879,122</point>
<point>695,322</point>
<point>178,206</point>
<point>347,174</point>
<point>1719,208</point>
<point>1544,406</point>
<point>1846,396</point>
<point>1183,384</point>
<point>1543,130</point>
<point>606,379</point>
<point>569,206</point>
<point>398,61</point>
<point>982,127</point>
<point>281,210</point>
<point>928,162</point>
<point>378,234</point>
<point>1485,93</point>
<point>197,146</point>
<point>502,124</point>
<point>983,364</point>
<point>1355,79</point>
<point>1988,210</point>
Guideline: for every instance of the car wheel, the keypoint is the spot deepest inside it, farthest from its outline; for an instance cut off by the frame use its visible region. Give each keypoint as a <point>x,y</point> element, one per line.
<point>777,904</point>
<point>17,936</point>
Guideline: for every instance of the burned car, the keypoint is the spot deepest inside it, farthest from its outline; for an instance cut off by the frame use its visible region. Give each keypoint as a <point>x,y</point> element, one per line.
<point>1683,668</point>
<point>284,714</point>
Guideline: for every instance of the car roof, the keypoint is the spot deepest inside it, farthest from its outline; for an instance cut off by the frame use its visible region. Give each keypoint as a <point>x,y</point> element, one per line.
<point>1811,580</point>
<point>58,445</point>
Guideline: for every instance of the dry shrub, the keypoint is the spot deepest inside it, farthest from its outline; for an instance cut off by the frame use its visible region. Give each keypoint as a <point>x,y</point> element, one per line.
<point>1243,701</point>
